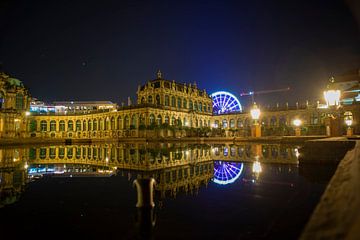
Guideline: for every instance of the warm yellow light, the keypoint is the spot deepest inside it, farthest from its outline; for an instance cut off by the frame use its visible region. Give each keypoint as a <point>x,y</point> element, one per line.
<point>255,112</point>
<point>27,113</point>
<point>348,117</point>
<point>332,97</point>
<point>297,122</point>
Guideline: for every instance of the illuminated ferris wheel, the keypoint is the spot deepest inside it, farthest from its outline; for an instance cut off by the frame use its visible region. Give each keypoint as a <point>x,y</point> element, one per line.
<point>226,172</point>
<point>225,102</point>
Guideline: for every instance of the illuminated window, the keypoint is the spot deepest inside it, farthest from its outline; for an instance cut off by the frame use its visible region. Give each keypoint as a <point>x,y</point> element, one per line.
<point>70,125</point>
<point>62,126</point>
<point>43,126</point>
<point>52,125</point>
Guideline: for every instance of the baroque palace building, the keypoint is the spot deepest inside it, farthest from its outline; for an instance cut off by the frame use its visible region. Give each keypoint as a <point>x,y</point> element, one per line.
<point>164,109</point>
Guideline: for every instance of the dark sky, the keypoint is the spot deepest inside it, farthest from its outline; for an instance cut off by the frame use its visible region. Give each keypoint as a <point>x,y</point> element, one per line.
<point>73,50</point>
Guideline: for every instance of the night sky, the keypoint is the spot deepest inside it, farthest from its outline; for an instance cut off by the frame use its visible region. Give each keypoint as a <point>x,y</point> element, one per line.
<point>73,50</point>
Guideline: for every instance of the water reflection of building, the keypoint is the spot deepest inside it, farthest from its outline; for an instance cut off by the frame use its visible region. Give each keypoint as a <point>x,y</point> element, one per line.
<point>13,175</point>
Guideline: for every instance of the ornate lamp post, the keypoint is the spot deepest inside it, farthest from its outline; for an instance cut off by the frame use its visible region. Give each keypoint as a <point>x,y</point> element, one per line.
<point>332,98</point>
<point>348,118</point>
<point>297,123</point>
<point>256,127</point>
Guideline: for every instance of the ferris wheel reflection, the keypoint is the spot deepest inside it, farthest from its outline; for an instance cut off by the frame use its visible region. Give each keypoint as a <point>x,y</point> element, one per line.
<point>227,172</point>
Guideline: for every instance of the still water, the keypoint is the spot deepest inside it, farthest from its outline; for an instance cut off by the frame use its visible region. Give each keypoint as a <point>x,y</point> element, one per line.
<point>160,191</point>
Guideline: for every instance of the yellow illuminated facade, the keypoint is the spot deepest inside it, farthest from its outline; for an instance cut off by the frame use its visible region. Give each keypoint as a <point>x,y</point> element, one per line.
<point>164,109</point>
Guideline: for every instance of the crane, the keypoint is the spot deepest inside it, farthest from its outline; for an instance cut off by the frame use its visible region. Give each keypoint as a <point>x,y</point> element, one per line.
<point>252,93</point>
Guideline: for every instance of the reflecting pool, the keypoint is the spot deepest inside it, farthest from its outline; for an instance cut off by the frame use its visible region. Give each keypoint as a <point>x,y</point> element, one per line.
<point>157,191</point>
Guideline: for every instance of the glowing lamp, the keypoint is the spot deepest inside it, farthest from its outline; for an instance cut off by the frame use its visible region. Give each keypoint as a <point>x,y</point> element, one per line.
<point>332,97</point>
<point>255,112</point>
<point>348,118</point>
<point>297,122</point>
<point>27,113</point>
<point>256,168</point>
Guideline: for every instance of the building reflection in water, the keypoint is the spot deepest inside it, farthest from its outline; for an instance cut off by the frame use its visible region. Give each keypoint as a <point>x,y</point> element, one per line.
<point>157,171</point>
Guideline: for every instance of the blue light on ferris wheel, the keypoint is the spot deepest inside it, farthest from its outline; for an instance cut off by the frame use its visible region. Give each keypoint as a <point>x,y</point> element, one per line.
<point>225,102</point>
<point>227,172</point>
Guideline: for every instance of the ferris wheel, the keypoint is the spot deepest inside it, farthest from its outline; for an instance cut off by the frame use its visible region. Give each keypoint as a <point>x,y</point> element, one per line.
<point>226,172</point>
<point>225,102</point>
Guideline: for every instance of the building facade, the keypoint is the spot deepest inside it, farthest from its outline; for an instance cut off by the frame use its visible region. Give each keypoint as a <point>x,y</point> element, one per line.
<point>164,109</point>
<point>14,103</point>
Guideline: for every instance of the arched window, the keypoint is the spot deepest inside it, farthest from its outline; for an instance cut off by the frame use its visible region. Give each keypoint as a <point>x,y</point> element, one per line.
<point>204,107</point>
<point>84,125</point>
<point>52,125</point>
<point>184,103</point>
<point>173,101</point>
<point>240,123</point>
<point>224,123</point>
<point>101,124</point>
<point>166,100</point>
<point>89,125</point>
<point>43,126</point>
<point>201,123</point>
<point>152,119</point>
<point>200,107</point>
<point>78,125</point>
<point>179,122</point>
<point>159,120</point>
<point>232,123</point>
<point>62,126</point>
<point>185,122</point>
<point>112,123</point>
<point>195,106</point>
<point>191,105</point>
<point>216,124</point>
<point>179,102</point>
<point>95,125</point>
<point>150,99</point>
<point>142,100</point>
<point>173,120</point>
<point>19,101</point>
<point>158,99</point>
<point>70,125</point>
<point>167,119</point>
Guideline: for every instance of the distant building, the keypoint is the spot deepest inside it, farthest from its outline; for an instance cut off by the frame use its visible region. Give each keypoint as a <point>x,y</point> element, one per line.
<point>77,107</point>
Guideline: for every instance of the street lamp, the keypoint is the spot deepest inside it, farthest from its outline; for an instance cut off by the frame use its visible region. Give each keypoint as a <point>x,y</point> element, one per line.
<point>297,123</point>
<point>256,127</point>
<point>332,98</point>
<point>348,118</point>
